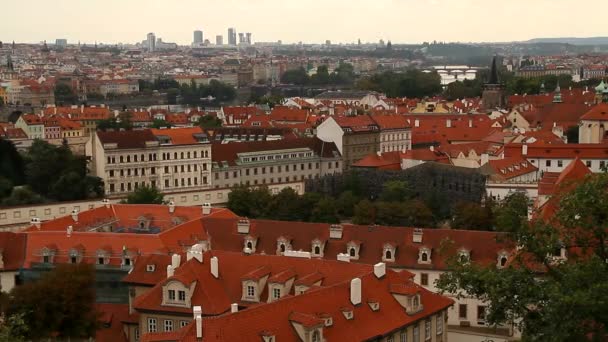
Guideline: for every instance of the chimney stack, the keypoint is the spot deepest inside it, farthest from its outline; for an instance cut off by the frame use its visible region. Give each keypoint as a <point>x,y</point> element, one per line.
<point>215,267</point>
<point>343,257</point>
<point>379,270</point>
<point>335,231</point>
<point>234,308</point>
<point>197,312</point>
<point>69,231</point>
<point>170,271</point>
<point>417,235</point>
<point>355,291</point>
<point>75,215</point>
<point>106,203</point>
<point>206,208</point>
<point>448,123</point>
<point>176,261</point>
<point>524,149</point>
<point>171,207</point>
<point>243,226</point>
<point>470,123</point>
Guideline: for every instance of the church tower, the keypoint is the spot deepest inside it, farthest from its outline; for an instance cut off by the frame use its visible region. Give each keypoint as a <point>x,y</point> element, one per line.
<point>557,96</point>
<point>493,95</point>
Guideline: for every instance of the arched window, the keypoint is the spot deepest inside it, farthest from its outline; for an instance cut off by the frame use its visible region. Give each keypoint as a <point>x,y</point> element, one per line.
<point>249,245</point>
<point>352,251</point>
<point>282,248</point>
<point>388,255</point>
<point>503,261</point>
<point>424,257</point>
<point>317,250</point>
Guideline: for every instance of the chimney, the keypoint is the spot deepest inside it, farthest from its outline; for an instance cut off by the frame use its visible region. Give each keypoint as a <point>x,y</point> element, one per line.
<point>69,231</point>
<point>485,158</point>
<point>355,291</point>
<point>379,270</point>
<point>416,123</point>
<point>106,203</point>
<point>35,222</point>
<point>196,252</point>
<point>524,149</point>
<point>448,123</point>
<point>175,260</point>
<point>379,154</point>
<point>75,215</point>
<point>417,235</point>
<point>242,226</point>
<point>197,312</point>
<point>234,308</point>
<point>171,207</point>
<point>470,123</point>
<point>215,267</point>
<point>206,208</point>
<point>335,231</point>
<point>432,148</point>
<point>170,271</point>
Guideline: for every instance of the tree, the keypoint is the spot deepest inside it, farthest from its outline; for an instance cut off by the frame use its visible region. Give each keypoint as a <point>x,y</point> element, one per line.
<point>247,202</point>
<point>61,303</point>
<point>296,76</point>
<point>364,213</point>
<point>512,213</point>
<point>11,162</point>
<point>64,94</point>
<point>346,203</point>
<point>23,196</point>
<point>325,211</point>
<point>158,123</point>
<point>284,206</point>
<point>472,216</point>
<point>14,329</point>
<point>145,194</point>
<point>549,297</point>
<point>6,187</point>
<point>209,121</point>
<point>395,191</point>
<point>114,124</point>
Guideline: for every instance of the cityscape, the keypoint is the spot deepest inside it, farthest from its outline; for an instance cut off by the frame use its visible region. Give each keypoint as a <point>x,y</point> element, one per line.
<point>266,172</point>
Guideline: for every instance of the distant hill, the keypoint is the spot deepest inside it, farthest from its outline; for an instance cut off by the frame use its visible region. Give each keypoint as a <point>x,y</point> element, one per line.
<point>572,40</point>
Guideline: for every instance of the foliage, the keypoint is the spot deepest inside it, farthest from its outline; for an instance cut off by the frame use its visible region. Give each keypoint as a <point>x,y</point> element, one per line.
<point>209,121</point>
<point>14,329</point>
<point>549,299</point>
<point>145,194</point>
<point>60,304</point>
<point>472,216</point>
<point>296,76</point>
<point>6,187</point>
<point>364,213</point>
<point>395,191</point>
<point>158,84</point>
<point>95,96</point>
<point>342,75</point>
<point>11,162</point>
<point>65,95</point>
<point>55,172</point>
<point>325,211</point>
<point>271,101</point>
<point>346,204</point>
<point>216,91</point>
<point>412,83</point>
<point>23,196</point>
<point>512,213</point>
<point>284,206</point>
<point>464,89</point>
<point>532,86</point>
<point>114,124</point>
<point>158,123</point>
<point>249,202</point>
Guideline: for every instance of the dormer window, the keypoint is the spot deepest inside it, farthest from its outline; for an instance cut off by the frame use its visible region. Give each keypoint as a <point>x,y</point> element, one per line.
<point>48,255</point>
<point>102,257</point>
<point>348,313</point>
<point>503,257</point>
<point>150,268</point>
<point>352,249</point>
<point>249,244</point>
<point>317,250</point>
<point>317,247</point>
<point>424,256</point>
<point>283,245</point>
<point>74,256</point>
<point>388,252</point>
<point>251,291</point>
<point>316,336</point>
<point>464,256</point>
<point>176,294</point>
<point>276,293</point>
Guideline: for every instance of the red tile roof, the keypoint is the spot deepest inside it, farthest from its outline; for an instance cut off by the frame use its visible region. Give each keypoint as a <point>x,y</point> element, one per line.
<point>564,151</point>
<point>286,114</point>
<point>384,161</point>
<point>598,112</point>
<point>12,249</point>
<point>388,122</point>
<point>127,139</point>
<point>180,136</point>
<point>511,167</point>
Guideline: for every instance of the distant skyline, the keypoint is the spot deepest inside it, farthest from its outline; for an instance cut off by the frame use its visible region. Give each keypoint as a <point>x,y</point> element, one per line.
<point>313,21</point>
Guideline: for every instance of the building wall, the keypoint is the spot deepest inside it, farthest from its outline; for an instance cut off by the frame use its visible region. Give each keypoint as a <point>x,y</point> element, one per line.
<point>435,334</point>
<point>591,132</point>
<point>160,321</point>
<point>356,146</point>
<point>559,164</point>
<point>395,140</point>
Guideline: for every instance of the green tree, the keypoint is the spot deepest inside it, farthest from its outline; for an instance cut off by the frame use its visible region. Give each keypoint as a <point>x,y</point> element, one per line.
<point>23,196</point>
<point>346,203</point>
<point>472,216</point>
<point>11,162</point>
<point>364,213</point>
<point>325,211</point>
<point>114,124</point>
<point>6,187</point>
<point>64,94</point>
<point>157,123</point>
<point>296,76</point>
<point>249,202</point>
<point>512,212</point>
<point>145,195</point>
<point>284,206</point>
<point>209,121</point>
<point>550,298</point>
<point>14,329</point>
<point>395,191</point>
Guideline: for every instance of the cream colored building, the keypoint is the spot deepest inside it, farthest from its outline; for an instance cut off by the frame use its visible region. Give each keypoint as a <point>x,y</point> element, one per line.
<point>169,159</point>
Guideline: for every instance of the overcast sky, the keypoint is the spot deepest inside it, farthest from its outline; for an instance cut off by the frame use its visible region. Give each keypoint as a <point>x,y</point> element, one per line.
<point>401,21</point>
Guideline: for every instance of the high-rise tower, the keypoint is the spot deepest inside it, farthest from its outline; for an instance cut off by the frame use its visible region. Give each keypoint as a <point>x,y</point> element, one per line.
<point>198,37</point>
<point>231,36</point>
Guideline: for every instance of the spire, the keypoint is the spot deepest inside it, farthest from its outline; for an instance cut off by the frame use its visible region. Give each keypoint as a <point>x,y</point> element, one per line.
<point>557,97</point>
<point>493,72</point>
<point>542,87</point>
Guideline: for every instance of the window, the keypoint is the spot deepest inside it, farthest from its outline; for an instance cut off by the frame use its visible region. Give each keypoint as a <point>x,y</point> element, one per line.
<point>181,296</point>
<point>588,163</point>
<point>171,294</point>
<point>416,334</point>
<point>390,339</point>
<point>250,291</point>
<point>276,293</point>
<point>151,325</point>
<point>101,261</point>
<point>462,311</point>
<point>352,252</point>
<point>183,323</point>
<point>439,324</point>
<point>168,325</point>
<point>427,330</point>
<point>317,250</point>
<point>316,336</point>
<point>424,256</point>
<point>560,163</point>
<point>548,163</point>
<point>424,279</point>
<point>481,313</point>
<point>403,336</point>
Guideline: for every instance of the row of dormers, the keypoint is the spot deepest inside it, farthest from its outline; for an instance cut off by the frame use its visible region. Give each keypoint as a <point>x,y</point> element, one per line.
<point>353,248</point>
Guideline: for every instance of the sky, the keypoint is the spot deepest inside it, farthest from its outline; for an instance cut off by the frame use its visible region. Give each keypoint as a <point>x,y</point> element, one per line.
<point>310,21</point>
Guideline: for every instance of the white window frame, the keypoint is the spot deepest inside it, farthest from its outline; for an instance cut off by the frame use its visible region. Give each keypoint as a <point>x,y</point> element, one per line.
<point>250,291</point>
<point>168,325</point>
<point>171,295</point>
<point>152,325</point>
<point>276,293</point>
<point>427,330</point>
